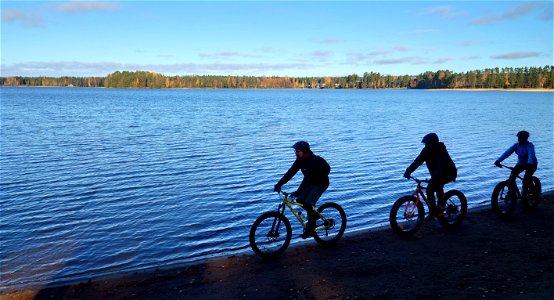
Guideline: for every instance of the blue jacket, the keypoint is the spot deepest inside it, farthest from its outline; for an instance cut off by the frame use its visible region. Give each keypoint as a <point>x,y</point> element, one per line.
<point>525,153</point>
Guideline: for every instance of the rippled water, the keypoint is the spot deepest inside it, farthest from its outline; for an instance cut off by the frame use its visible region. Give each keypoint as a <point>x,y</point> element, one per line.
<point>96,181</point>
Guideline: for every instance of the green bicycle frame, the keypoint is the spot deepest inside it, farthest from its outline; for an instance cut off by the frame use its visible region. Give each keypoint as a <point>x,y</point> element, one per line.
<point>289,203</point>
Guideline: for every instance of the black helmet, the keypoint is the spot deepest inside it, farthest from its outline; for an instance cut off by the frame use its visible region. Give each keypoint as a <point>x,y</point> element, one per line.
<point>302,146</point>
<point>431,138</point>
<point>523,135</point>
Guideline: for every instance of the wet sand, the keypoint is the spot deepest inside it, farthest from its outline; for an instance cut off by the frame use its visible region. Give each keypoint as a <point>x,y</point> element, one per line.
<point>486,258</point>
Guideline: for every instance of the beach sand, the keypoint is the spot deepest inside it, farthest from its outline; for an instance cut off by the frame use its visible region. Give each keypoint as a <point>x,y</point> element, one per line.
<point>486,258</point>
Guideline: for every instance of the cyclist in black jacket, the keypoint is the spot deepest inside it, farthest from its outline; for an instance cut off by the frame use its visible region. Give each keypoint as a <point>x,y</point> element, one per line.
<point>316,180</point>
<point>441,168</point>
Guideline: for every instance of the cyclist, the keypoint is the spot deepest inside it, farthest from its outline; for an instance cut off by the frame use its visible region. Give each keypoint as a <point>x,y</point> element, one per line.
<point>316,180</point>
<point>526,159</point>
<point>441,168</point>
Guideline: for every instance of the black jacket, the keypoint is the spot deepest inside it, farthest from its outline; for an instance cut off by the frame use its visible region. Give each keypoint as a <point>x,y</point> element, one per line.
<point>315,169</point>
<point>438,162</point>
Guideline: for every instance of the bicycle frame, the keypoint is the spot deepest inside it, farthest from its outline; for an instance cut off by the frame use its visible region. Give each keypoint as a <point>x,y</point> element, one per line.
<point>288,202</point>
<point>409,211</point>
<point>511,168</point>
<point>518,194</point>
<point>419,193</point>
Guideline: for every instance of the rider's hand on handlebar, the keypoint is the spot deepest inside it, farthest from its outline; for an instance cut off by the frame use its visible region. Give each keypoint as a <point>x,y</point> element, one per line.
<point>497,163</point>
<point>407,175</point>
<point>277,188</point>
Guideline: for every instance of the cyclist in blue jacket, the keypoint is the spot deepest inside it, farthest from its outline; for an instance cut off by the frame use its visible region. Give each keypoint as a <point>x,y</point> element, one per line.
<point>316,180</point>
<point>526,159</point>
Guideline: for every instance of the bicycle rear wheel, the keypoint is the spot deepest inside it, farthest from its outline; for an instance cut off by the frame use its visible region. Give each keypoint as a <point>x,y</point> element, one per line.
<point>503,200</point>
<point>455,209</point>
<point>533,194</point>
<point>270,234</point>
<point>406,217</point>
<point>330,228</point>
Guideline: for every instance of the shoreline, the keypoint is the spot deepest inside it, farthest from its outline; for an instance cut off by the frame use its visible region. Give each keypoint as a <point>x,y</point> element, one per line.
<point>485,258</point>
<point>189,262</point>
<point>544,90</point>
<point>492,89</point>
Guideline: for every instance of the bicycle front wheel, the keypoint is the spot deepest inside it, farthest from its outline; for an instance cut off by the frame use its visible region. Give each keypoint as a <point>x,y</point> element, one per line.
<point>503,200</point>
<point>406,216</point>
<point>270,234</point>
<point>533,194</point>
<point>455,209</point>
<point>330,227</point>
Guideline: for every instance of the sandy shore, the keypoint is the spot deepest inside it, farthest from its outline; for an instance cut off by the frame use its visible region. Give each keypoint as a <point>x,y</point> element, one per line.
<point>486,258</point>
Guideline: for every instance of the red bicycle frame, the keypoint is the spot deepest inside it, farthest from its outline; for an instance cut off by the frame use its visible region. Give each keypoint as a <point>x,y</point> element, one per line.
<point>417,193</point>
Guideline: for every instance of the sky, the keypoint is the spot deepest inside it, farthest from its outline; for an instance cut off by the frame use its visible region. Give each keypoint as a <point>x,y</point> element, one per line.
<point>272,38</point>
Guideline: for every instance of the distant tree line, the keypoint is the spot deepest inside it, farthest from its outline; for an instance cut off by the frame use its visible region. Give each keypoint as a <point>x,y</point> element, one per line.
<point>536,78</point>
<point>527,77</point>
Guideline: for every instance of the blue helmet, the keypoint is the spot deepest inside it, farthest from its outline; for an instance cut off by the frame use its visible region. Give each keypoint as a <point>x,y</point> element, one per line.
<point>302,146</point>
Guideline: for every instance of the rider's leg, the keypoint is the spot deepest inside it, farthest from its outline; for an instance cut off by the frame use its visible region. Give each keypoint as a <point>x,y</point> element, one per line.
<point>529,171</point>
<point>440,198</point>
<point>312,195</point>
<point>513,175</point>
<point>432,188</point>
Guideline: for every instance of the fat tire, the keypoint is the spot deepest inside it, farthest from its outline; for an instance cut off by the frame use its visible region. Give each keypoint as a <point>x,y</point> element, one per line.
<point>321,236</point>
<point>533,195</point>
<point>502,204</point>
<point>258,237</point>
<point>454,213</point>
<point>416,221</point>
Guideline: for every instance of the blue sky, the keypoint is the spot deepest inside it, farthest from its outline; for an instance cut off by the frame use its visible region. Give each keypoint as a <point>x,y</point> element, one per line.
<point>279,38</point>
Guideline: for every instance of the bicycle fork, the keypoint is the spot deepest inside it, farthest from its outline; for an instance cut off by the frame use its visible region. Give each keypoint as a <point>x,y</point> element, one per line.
<point>409,211</point>
<point>274,232</point>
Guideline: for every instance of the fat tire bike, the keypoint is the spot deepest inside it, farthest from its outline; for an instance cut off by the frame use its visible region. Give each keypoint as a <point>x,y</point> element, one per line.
<point>408,214</point>
<point>271,233</point>
<point>504,196</point>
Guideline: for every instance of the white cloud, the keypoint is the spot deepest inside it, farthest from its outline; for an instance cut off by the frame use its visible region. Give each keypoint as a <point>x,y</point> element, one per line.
<point>27,19</point>
<point>445,11</point>
<point>401,60</point>
<point>356,57</point>
<point>227,55</point>
<point>85,6</point>
<point>80,69</point>
<point>443,60</point>
<point>513,13</point>
<point>34,18</point>
<point>516,55</point>
<point>471,43</point>
<point>321,54</point>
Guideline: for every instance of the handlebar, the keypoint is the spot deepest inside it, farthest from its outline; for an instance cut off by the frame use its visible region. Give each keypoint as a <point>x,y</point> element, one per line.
<point>419,180</point>
<point>285,194</point>
<point>504,166</point>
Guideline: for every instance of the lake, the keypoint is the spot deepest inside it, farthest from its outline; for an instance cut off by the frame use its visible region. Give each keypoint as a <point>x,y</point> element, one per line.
<point>103,181</point>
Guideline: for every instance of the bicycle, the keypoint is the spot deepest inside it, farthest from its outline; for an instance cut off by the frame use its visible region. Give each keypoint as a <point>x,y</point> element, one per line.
<point>503,199</point>
<point>271,233</point>
<point>407,213</point>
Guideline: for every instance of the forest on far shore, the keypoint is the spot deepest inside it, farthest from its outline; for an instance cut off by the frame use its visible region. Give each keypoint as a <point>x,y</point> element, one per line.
<point>494,78</point>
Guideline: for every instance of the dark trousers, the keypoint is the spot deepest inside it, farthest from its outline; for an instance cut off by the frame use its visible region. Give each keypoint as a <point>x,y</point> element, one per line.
<point>518,168</point>
<point>435,186</point>
<point>309,197</point>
